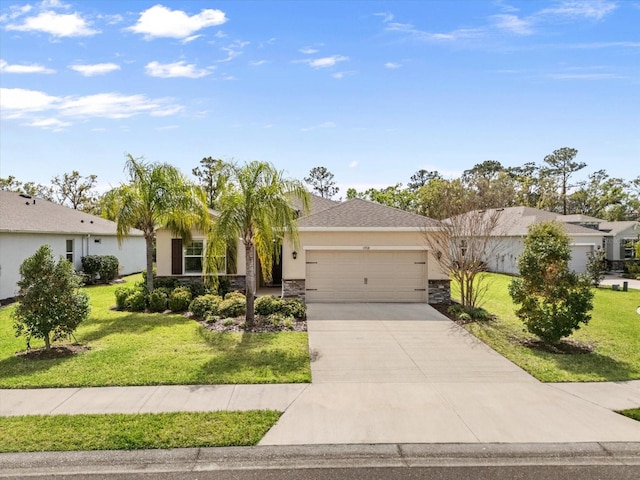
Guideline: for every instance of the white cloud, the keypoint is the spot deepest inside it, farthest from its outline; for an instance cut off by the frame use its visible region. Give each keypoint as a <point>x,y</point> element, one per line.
<point>459,34</point>
<point>6,68</point>
<point>386,16</point>
<point>595,9</point>
<point>49,124</point>
<point>584,76</point>
<point>353,164</point>
<point>174,70</point>
<point>17,103</point>
<point>392,65</point>
<point>322,125</point>
<point>233,50</point>
<point>55,24</point>
<point>21,100</point>
<point>513,24</point>
<point>325,62</point>
<point>308,50</point>
<point>257,63</point>
<point>159,21</point>
<point>95,69</point>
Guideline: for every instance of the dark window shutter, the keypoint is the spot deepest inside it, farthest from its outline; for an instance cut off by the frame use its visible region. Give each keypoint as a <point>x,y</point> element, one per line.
<point>176,256</point>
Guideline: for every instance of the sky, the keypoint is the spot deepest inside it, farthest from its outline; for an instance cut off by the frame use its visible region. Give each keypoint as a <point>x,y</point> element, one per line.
<point>371,90</point>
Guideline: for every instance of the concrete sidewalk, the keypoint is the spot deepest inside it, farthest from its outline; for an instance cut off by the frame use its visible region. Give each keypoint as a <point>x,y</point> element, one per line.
<point>154,399</point>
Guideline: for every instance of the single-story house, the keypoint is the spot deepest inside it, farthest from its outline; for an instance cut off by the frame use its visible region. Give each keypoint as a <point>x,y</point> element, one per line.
<point>512,227</point>
<point>353,251</point>
<point>27,223</point>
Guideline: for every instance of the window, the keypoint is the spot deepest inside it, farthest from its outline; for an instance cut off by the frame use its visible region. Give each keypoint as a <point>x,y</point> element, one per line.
<point>69,252</point>
<point>627,248</point>
<point>193,257</point>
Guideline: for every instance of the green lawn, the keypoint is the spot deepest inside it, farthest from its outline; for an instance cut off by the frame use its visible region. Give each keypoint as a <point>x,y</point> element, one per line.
<point>633,413</point>
<point>38,433</point>
<point>154,349</point>
<point>614,330</point>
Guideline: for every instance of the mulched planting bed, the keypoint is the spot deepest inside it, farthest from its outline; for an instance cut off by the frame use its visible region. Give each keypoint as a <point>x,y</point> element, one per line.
<point>58,351</point>
<point>261,326</point>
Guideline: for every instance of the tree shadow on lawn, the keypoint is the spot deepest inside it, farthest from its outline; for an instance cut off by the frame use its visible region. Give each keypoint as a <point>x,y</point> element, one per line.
<point>252,360</point>
<point>129,324</point>
<point>590,364</point>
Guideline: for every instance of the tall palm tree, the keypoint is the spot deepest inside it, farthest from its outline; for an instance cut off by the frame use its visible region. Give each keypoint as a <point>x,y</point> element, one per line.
<point>255,207</point>
<point>157,195</point>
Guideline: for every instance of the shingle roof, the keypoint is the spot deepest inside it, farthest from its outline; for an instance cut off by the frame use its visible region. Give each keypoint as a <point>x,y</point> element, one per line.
<point>316,203</point>
<point>514,221</point>
<point>358,213</point>
<point>21,214</point>
<point>614,228</point>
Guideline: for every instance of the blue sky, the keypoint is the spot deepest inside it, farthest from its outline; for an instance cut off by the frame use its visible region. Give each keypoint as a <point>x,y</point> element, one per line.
<point>372,90</point>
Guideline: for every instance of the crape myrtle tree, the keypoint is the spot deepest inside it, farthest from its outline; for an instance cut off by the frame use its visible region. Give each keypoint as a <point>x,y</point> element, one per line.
<point>256,208</point>
<point>552,300</point>
<point>50,302</point>
<point>157,195</point>
<point>466,239</point>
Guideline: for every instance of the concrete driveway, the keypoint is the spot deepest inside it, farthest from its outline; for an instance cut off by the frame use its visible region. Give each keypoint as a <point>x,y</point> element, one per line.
<point>389,373</point>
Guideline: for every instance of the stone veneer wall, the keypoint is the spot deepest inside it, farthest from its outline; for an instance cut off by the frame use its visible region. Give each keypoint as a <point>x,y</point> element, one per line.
<point>293,288</point>
<point>439,292</point>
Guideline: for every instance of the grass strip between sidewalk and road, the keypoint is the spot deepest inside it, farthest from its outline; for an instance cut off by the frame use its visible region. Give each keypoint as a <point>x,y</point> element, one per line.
<point>614,333</point>
<point>632,413</point>
<point>126,348</point>
<point>39,433</point>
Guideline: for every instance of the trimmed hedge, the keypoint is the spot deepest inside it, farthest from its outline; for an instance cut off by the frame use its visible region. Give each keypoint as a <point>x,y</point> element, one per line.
<point>103,266</point>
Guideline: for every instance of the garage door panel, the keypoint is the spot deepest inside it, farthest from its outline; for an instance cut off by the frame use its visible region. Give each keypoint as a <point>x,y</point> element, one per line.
<point>366,276</point>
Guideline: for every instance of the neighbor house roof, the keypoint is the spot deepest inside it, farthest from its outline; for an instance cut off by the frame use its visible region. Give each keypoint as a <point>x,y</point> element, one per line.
<point>615,228</point>
<point>515,221</point>
<point>357,213</point>
<point>24,214</point>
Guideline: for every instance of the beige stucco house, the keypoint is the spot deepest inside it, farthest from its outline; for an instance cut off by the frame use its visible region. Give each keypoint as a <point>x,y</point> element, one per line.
<point>353,251</point>
<point>27,223</point>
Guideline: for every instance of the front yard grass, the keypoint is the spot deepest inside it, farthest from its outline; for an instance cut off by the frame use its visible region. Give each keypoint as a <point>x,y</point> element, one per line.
<point>632,413</point>
<point>128,348</point>
<point>38,433</point>
<point>614,332</point>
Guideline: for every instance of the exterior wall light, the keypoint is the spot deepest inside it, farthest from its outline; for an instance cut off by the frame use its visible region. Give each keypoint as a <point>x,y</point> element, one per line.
<point>294,254</point>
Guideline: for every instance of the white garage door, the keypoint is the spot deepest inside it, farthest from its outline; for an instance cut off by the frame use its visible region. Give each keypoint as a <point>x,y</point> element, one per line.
<point>579,256</point>
<point>366,276</point>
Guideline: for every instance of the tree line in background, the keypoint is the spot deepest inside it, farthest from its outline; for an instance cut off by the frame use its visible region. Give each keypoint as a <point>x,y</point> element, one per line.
<point>489,184</point>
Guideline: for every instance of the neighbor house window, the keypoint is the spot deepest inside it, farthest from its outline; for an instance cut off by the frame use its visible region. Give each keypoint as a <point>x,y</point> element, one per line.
<point>627,248</point>
<point>193,257</point>
<point>69,252</point>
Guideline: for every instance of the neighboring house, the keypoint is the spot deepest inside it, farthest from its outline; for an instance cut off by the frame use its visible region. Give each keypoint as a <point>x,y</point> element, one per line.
<point>27,223</point>
<point>513,226</point>
<point>353,251</point>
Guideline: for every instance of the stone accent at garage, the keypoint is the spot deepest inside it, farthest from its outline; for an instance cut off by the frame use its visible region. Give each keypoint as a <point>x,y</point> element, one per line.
<point>293,288</point>
<point>439,292</point>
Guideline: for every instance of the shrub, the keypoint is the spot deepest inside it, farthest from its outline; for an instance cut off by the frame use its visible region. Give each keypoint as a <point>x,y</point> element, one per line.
<point>227,322</point>
<point>232,306</point>
<point>197,288</point>
<point>288,323</point>
<point>455,310</point>
<point>235,294</point>
<point>109,266</point>
<point>180,299</point>
<point>136,301</point>
<point>91,267</point>
<point>294,307</point>
<point>212,318</point>
<point>162,282</point>
<point>479,314</point>
<point>596,266</point>
<point>551,300</point>
<point>278,319</point>
<point>267,305</point>
<point>121,294</point>
<point>224,286</point>
<point>205,305</point>
<point>158,300</point>
<point>51,305</point>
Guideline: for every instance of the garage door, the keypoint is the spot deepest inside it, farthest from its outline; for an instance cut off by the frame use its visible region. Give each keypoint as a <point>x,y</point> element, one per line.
<point>579,257</point>
<point>366,276</point>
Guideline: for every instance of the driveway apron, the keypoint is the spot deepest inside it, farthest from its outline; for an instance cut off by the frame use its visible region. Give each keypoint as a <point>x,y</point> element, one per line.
<point>404,373</point>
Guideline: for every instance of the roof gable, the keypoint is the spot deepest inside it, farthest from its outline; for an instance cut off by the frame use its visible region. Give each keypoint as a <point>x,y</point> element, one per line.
<point>358,213</point>
<point>19,213</point>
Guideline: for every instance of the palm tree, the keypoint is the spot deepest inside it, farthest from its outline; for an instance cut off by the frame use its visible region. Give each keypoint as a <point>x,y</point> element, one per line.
<point>157,195</point>
<point>255,207</point>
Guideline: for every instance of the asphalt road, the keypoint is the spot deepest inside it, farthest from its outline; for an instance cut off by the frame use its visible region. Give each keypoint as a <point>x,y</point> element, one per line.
<point>587,461</point>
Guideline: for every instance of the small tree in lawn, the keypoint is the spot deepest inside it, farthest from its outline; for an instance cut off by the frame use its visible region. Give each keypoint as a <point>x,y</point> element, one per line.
<point>51,306</point>
<point>552,301</point>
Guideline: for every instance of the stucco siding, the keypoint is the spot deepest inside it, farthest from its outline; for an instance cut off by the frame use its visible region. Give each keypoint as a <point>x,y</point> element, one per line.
<point>16,247</point>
